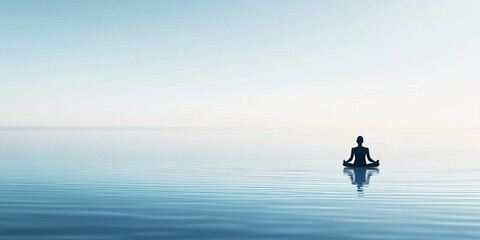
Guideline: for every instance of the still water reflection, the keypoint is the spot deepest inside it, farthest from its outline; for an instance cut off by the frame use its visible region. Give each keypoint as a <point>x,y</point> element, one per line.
<point>360,176</point>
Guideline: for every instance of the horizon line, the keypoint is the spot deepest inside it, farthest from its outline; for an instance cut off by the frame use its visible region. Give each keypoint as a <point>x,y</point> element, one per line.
<point>178,128</point>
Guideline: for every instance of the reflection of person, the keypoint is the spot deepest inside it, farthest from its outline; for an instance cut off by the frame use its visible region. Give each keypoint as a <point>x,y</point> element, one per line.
<point>360,152</point>
<point>360,176</point>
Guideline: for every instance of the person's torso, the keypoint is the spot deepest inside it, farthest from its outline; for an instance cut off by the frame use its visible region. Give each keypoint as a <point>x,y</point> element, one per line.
<point>360,153</point>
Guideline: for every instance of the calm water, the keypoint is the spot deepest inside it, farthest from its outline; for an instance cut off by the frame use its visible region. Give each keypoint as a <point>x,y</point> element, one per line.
<point>237,184</point>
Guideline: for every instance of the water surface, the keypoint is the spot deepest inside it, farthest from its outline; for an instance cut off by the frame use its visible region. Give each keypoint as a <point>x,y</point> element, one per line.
<point>237,184</point>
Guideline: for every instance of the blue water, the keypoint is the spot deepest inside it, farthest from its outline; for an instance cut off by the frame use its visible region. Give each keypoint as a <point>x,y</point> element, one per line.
<point>237,184</point>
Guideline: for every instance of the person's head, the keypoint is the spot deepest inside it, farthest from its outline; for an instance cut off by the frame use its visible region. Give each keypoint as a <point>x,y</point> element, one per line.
<point>359,140</point>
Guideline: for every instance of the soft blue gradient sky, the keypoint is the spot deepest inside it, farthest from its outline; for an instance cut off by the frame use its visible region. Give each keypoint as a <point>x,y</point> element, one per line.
<point>275,64</point>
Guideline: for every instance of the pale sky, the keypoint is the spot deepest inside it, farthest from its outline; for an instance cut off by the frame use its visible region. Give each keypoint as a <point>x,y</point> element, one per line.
<point>246,64</point>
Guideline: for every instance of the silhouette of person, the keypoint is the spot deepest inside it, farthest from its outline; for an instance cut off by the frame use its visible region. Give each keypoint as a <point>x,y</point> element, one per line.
<point>360,176</point>
<point>360,152</point>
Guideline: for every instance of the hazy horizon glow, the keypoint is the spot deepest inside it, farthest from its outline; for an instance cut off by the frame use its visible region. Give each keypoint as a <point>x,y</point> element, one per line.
<point>256,64</point>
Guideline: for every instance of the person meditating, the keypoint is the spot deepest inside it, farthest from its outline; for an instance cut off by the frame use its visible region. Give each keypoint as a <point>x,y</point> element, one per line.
<point>360,152</point>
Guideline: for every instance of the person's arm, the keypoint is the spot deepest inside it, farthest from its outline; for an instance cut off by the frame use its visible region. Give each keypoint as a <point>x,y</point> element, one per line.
<point>369,158</point>
<point>351,157</point>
